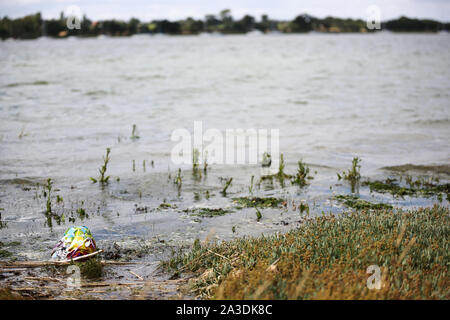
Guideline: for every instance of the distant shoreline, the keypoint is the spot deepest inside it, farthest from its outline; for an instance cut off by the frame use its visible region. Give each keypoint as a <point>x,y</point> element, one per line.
<point>33,26</point>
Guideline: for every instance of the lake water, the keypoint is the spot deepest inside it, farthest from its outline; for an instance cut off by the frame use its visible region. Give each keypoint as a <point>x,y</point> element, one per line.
<point>382,97</point>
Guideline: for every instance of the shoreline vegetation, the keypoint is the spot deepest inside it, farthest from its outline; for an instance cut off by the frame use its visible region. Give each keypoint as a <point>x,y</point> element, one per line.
<point>33,26</point>
<point>328,258</point>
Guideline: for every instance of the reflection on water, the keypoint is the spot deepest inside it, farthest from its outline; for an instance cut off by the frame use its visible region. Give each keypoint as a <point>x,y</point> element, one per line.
<point>382,97</point>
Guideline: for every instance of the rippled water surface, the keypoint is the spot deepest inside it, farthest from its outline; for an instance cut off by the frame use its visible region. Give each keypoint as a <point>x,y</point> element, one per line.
<point>383,97</point>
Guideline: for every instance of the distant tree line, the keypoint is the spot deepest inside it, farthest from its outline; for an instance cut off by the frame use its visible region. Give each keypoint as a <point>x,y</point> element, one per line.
<point>33,26</point>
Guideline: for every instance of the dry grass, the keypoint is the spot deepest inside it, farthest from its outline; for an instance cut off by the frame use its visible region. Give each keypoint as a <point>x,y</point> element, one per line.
<point>327,258</point>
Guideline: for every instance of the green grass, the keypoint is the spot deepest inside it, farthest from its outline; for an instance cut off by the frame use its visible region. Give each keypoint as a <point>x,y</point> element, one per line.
<point>328,257</point>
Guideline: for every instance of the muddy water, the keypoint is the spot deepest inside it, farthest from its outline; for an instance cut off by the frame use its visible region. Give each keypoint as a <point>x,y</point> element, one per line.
<point>384,98</point>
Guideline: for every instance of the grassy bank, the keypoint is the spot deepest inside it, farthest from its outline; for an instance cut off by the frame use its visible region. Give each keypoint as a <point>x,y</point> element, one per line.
<point>327,258</point>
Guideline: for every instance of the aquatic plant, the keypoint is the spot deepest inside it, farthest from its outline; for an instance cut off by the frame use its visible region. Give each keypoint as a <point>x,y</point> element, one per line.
<point>205,162</point>
<point>258,214</point>
<point>210,212</point>
<point>227,184</point>
<point>328,257</point>
<point>47,193</point>
<point>302,176</point>
<point>250,189</point>
<point>102,179</point>
<point>268,202</point>
<point>420,187</point>
<point>303,207</point>
<point>3,224</point>
<point>355,202</point>
<point>134,135</point>
<point>352,175</point>
<point>178,179</point>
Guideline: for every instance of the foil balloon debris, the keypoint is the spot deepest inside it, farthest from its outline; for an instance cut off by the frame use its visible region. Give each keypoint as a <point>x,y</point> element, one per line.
<point>76,242</point>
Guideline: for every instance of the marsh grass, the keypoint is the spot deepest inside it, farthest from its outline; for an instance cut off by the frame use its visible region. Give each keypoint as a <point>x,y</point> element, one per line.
<point>3,224</point>
<point>302,176</point>
<point>102,178</point>
<point>178,179</point>
<point>134,135</point>
<point>327,258</point>
<point>49,213</point>
<point>352,175</point>
<point>227,185</point>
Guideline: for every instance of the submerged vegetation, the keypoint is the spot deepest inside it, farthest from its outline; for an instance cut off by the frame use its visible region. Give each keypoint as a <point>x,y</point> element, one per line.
<point>268,202</point>
<point>102,179</point>
<point>419,187</point>
<point>328,257</point>
<point>210,212</point>
<point>354,202</point>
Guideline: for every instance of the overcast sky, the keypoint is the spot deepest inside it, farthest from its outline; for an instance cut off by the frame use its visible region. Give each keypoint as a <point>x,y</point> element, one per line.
<point>277,9</point>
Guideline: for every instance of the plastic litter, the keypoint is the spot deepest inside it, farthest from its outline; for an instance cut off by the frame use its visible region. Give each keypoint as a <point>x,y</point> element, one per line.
<point>76,242</point>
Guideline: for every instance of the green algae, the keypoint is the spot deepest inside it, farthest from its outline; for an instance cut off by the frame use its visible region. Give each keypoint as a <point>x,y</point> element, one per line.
<point>210,212</point>
<point>355,202</point>
<point>269,202</point>
<point>419,187</point>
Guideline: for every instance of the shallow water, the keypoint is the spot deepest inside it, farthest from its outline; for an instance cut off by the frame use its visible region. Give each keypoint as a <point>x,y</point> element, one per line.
<point>382,97</point>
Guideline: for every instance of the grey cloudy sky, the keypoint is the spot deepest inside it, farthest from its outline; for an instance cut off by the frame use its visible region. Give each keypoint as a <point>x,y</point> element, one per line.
<point>179,9</point>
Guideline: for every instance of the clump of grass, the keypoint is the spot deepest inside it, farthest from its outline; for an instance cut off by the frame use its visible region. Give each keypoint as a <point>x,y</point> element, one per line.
<point>269,202</point>
<point>353,174</point>
<point>354,202</point>
<point>303,207</point>
<point>302,176</point>
<point>49,214</point>
<point>227,185</point>
<point>82,213</point>
<point>103,179</point>
<point>281,174</point>
<point>328,257</point>
<point>134,134</point>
